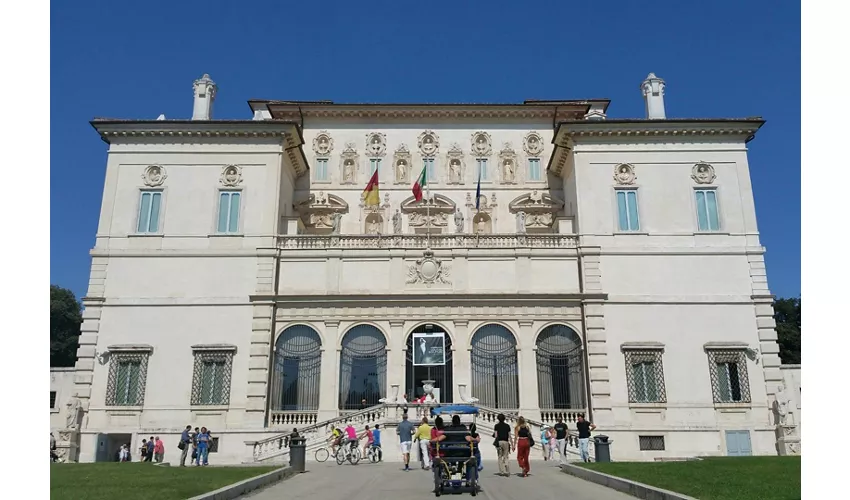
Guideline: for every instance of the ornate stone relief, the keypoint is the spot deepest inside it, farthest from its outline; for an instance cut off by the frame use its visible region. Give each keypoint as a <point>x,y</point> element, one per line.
<point>429,144</point>
<point>481,144</point>
<point>703,173</point>
<point>536,210</point>
<point>231,176</point>
<point>323,144</point>
<point>375,216</point>
<point>533,144</point>
<point>508,164</point>
<point>457,167</point>
<point>401,164</point>
<point>438,209</point>
<point>154,176</point>
<point>320,211</point>
<point>624,174</point>
<point>376,144</point>
<point>484,218</point>
<point>428,270</point>
<point>348,164</point>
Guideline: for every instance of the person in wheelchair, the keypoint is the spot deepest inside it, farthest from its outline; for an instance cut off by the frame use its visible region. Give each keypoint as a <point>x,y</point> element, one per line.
<point>456,451</point>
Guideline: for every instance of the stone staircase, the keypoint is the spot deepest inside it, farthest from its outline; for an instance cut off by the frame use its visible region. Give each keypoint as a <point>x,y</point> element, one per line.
<point>274,450</point>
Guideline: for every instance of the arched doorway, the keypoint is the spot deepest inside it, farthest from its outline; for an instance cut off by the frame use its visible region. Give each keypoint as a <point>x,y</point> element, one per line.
<point>495,371</point>
<point>363,367</point>
<point>297,365</point>
<point>442,375</point>
<point>560,369</point>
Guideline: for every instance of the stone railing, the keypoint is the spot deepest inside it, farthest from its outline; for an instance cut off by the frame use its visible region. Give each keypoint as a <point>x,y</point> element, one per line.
<point>292,419</point>
<point>416,241</point>
<point>487,418</point>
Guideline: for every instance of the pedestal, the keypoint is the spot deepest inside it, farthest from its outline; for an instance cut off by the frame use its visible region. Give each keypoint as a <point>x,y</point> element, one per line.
<point>68,445</point>
<point>788,441</point>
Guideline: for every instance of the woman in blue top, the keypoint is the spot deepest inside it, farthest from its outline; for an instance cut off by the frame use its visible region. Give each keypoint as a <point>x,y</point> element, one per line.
<point>203,446</point>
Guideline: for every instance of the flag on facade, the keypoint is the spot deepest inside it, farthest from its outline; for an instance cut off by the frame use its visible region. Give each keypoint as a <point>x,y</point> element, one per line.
<point>419,185</point>
<point>370,194</point>
<point>478,193</point>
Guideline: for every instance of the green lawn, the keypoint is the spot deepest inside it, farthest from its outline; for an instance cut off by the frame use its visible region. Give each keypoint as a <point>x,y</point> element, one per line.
<point>142,481</point>
<point>745,478</point>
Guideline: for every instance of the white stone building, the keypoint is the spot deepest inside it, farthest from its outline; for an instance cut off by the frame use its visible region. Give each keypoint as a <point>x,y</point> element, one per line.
<point>612,268</point>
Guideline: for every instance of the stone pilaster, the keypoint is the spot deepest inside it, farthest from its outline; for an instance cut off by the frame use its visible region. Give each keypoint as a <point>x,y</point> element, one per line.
<point>395,356</point>
<point>529,397</point>
<point>599,399</point>
<point>460,357</point>
<point>258,364</point>
<point>766,325</point>
<point>329,394</point>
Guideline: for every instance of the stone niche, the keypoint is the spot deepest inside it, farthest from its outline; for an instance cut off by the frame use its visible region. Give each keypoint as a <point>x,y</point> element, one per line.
<point>536,211</point>
<point>318,210</point>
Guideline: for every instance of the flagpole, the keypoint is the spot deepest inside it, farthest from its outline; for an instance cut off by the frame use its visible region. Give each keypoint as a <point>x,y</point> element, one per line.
<point>427,211</point>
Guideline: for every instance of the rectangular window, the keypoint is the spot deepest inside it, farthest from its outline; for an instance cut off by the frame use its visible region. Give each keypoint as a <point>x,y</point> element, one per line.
<point>627,210</point>
<point>228,211</point>
<point>534,169</point>
<point>482,169</point>
<point>729,376</point>
<point>150,204</point>
<point>126,383</point>
<point>52,399</point>
<point>707,214</point>
<point>645,375</point>
<point>374,164</point>
<point>211,377</point>
<point>213,445</point>
<point>429,169</point>
<point>651,443</point>
<point>321,169</point>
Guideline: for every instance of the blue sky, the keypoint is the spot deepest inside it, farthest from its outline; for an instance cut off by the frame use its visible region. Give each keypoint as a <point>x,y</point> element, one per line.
<point>137,60</point>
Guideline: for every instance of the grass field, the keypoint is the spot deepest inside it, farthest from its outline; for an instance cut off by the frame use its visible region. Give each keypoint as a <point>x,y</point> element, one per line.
<point>744,478</point>
<point>132,481</point>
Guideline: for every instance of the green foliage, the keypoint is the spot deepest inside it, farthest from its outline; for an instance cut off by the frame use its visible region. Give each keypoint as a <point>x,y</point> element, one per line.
<point>65,319</point>
<point>743,478</point>
<point>142,481</point>
<point>787,316</point>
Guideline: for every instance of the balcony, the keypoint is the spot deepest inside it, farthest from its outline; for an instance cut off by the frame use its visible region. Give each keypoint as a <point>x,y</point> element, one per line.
<point>421,241</point>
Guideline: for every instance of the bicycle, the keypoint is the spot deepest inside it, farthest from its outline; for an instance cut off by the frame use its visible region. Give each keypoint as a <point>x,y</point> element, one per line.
<point>349,452</point>
<point>374,454</point>
<point>322,454</point>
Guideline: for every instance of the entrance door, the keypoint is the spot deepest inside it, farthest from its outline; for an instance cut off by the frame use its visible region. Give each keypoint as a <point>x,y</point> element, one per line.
<point>738,444</point>
<point>101,455</point>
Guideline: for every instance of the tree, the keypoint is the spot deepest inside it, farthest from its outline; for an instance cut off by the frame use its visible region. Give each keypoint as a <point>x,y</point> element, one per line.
<point>786,312</point>
<point>65,319</point>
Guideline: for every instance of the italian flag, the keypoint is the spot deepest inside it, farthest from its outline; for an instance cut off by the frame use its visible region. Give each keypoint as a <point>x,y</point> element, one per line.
<point>371,196</point>
<point>419,185</point>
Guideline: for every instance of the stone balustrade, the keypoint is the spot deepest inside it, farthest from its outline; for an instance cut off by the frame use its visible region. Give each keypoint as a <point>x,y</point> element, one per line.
<point>421,241</point>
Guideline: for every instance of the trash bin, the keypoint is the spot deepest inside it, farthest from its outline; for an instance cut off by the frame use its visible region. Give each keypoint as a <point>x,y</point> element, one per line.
<point>298,454</point>
<point>601,446</point>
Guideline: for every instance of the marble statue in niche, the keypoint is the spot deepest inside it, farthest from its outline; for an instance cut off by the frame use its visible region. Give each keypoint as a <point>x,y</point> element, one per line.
<point>454,171</point>
<point>348,171</point>
<point>520,222</point>
<point>509,171</point>
<point>401,170</point>
<point>458,221</point>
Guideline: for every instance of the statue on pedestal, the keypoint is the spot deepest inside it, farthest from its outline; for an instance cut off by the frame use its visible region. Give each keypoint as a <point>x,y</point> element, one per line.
<point>336,220</point>
<point>397,222</point>
<point>782,405</point>
<point>458,221</point>
<point>72,415</point>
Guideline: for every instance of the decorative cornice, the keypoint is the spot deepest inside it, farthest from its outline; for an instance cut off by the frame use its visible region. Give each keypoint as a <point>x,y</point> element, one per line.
<point>214,347</point>
<point>572,110</point>
<point>130,348</point>
<point>636,346</point>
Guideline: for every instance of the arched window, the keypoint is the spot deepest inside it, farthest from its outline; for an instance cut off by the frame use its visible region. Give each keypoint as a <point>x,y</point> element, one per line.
<point>495,372</point>
<point>297,364</point>
<point>560,369</point>
<point>442,375</point>
<point>363,368</point>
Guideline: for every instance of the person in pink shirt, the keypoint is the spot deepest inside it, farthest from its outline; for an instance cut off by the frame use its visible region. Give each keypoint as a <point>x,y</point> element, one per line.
<point>351,434</point>
<point>158,450</point>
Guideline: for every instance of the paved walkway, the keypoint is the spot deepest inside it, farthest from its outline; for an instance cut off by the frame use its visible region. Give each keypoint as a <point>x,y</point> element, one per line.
<point>386,481</point>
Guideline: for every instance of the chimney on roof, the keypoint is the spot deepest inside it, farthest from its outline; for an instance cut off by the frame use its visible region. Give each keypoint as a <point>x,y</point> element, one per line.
<point>653,95</point>
<point>205,90</point>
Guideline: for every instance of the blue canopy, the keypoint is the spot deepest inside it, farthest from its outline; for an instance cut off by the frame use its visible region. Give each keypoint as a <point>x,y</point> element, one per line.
<point>455,410</point>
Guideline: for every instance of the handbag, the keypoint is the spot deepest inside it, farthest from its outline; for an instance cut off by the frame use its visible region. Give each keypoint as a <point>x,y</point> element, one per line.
<point>181,445</point>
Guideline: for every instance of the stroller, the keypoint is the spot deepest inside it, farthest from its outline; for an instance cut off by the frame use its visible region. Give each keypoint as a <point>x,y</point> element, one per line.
<point>455,465</point>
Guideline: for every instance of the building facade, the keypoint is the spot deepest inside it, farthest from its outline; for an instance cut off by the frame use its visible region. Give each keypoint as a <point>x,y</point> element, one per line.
<point>566,263</point>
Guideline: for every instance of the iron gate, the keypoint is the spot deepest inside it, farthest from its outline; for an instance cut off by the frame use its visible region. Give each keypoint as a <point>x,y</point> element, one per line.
<point>495,370</point>
<point>363,368</point>
<point>297,365</point>
<point>560,369</point>
<point>441,375</point>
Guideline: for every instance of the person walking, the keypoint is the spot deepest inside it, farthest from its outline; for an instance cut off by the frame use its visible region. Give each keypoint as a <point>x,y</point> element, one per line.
<point>545,441</point>
<point>584,427</point>
<point>203,447</point>
<point>560,429</point>
<point>523,440</point>
<point>184,445</point>
<point>502,433</point>
<point>158,450</point>
<point>423,435</point>
<point>405,432</point>
<point>195,454</point>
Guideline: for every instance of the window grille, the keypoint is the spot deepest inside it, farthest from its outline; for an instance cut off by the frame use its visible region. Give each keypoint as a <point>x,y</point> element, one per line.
<point>729,380</point>
<point>211,377</point>
<point>52,399</point>
<point>645,376</point>
<point>125,385</point>
<point>651,443</point>
<point>213,445</point>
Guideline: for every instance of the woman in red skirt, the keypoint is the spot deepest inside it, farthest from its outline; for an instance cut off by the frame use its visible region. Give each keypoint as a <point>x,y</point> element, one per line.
<point>522,437</point>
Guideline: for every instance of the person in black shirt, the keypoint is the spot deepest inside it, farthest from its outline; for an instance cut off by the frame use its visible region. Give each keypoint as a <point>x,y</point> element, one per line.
<point>584,427</point>
<point>503,444</point>
<point>561,439</point>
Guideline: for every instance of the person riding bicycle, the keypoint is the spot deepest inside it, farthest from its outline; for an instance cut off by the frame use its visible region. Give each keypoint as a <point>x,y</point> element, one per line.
<point>335,439</point>
<point>351,435</point>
